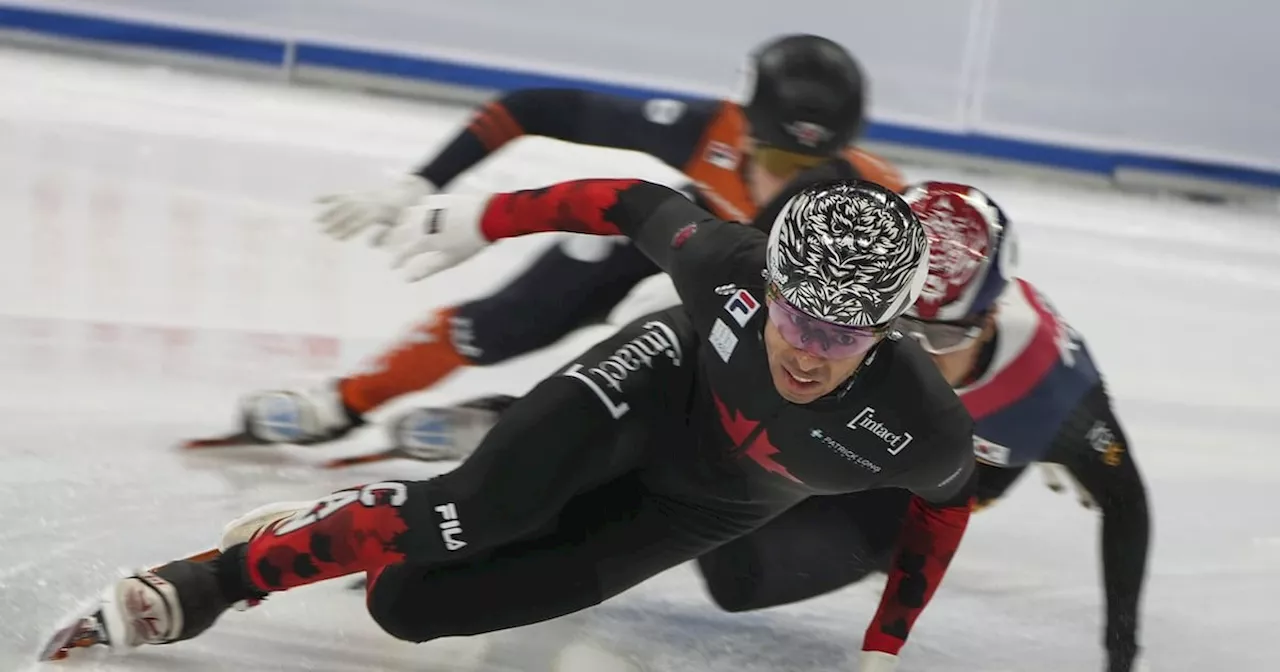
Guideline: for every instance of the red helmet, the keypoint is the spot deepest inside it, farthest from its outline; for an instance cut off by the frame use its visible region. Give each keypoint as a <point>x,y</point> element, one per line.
<point>972,251</point>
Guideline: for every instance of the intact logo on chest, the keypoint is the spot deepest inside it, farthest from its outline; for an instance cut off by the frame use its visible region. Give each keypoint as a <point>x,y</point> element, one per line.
<point>866,420</point>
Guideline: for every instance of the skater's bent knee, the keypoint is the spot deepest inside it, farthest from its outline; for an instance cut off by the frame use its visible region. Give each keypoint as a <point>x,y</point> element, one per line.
<point>419,603</point>
<point>732,579</point>
<point>394,607</point>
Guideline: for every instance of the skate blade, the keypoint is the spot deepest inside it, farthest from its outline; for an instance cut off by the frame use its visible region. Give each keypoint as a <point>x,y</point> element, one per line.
<point>371,458</point>
<point>238,439</point>
<point>85,629</point>
<point>83,632</point>
<point>203,556</point>
<point>430,455</point>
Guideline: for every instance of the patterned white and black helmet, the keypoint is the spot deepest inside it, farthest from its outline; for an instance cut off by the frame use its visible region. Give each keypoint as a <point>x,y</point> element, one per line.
<point>849,252</point>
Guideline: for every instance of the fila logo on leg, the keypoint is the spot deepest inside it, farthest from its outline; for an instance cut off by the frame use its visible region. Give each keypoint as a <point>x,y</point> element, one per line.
<point>741,307</point>
<point>451,528</point>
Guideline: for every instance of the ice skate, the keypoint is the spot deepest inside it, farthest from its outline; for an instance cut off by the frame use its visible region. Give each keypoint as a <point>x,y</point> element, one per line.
<point>298,417</point>
<point>435,434</point>
<point>170,603</point>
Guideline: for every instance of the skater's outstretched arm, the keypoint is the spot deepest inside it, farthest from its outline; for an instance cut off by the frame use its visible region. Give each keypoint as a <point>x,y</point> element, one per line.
<point>936,520</point>
<point>698,251</point>
<point>668,130</point>
<point>1094,449</point>
<point>671,131</point>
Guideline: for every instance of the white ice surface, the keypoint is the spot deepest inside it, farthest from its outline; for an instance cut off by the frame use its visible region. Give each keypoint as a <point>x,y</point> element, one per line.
<point>156,261</point>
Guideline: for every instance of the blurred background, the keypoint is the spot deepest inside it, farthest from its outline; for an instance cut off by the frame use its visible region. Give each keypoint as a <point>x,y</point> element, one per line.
<point>158,160</point>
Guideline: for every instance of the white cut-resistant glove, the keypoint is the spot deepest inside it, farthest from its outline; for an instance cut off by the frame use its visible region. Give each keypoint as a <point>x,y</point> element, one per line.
<point>345,215</point>
<point>877,661</point>
<point>439,232</point>
<point>1055,474</point>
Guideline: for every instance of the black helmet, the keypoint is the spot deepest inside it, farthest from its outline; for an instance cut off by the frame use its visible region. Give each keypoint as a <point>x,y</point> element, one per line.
<point>804,94</point>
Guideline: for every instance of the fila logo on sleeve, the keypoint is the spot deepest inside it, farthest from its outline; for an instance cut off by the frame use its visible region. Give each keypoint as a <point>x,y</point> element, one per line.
<point>742,306</point>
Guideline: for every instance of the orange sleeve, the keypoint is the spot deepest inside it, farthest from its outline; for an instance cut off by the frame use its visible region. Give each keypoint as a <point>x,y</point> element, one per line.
<point>876,169</point>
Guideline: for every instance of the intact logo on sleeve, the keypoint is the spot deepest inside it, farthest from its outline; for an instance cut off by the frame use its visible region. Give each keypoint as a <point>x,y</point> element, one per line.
<point>657,342</point>
<point>742,306</point>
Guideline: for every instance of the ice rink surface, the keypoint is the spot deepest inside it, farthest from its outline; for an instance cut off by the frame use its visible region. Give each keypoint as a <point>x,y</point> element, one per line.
<point>157,260</point>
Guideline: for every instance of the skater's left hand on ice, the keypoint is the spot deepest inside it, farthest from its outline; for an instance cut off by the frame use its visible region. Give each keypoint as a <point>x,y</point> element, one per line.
<point>1054,476</point>
<point>1125,659</point>
<point>877,661</point>
<point>439,232</point>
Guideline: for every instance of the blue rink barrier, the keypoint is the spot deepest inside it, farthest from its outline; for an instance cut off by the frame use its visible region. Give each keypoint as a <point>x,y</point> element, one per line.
<point>127,33</point>
<point>282,53</point>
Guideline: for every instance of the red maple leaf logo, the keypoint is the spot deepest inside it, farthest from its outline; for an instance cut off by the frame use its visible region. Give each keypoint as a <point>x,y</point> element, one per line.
<point>761,450</point>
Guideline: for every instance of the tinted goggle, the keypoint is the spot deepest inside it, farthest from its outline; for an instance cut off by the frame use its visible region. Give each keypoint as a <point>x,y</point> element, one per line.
<point>782,162</point>
<point>940,338</point>
<point>819,337</point>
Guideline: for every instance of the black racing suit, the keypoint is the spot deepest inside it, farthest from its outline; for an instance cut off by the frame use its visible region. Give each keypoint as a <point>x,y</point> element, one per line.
<point>656,446</point>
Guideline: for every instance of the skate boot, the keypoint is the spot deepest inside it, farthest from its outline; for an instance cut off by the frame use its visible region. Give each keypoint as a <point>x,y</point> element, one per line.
<point>449,433</point>
<point>300,417</point>
<point>435,434</point>
<point>167,604</point>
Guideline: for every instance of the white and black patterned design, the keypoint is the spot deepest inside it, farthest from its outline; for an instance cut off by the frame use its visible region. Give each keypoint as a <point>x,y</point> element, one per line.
<point>849,252</point>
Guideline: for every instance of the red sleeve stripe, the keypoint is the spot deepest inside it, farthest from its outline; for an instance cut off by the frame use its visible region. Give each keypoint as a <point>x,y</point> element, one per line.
<point>1017,379</point>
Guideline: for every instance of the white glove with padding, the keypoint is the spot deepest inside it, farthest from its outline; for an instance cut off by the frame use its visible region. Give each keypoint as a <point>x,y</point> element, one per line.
<point>877,661</point>
<point>439,232</point>
<point>347,214</point>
